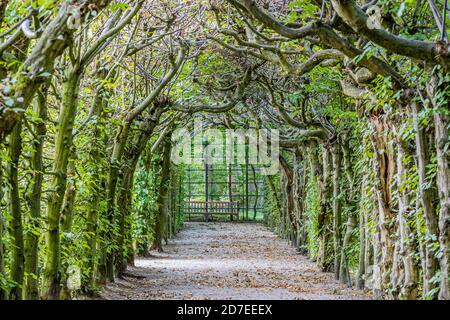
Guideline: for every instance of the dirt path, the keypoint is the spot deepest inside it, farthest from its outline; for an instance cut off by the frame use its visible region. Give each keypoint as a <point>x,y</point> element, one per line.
<point>227,261</point>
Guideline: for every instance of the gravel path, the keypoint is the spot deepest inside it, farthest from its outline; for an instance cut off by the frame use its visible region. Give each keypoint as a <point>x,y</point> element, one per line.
<point>227,261</point>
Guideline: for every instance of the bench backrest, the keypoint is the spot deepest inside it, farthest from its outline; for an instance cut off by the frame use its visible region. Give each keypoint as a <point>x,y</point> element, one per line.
<point>211,207</point>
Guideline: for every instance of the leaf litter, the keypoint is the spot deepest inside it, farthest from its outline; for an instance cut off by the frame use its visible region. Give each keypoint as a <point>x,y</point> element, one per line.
<point>223,260</point>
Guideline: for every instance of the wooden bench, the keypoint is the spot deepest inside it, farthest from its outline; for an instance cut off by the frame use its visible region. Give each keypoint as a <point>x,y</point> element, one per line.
<point>207,208</point>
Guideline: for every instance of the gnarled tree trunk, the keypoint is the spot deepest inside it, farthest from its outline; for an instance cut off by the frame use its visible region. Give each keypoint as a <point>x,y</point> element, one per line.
<point>163,195</point>
<point>426,200</point>
<point>383,166</point>
<point>131,158</point>
<point>438,91</point>
<point>288,191</point>
<point>337,214</point>
<point>409,285</point>
<point>344,272</point>
<point>325,223</point>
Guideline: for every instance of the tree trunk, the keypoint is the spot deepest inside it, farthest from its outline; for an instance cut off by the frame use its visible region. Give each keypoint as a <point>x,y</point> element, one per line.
<point>163,197</point>
<point>291,229</point>
<point>337,215</point>
<point>325,247</point>
<point>299,183</point>
<point>275,195</point>
<point>144,213</point>
<point>437,90</point>
<point>426,200</point>
<point>124,198</point>
<point>16,227</point>
<point>409,284</point>
<point>96,185</point>
<point>67,215</point>
<point>350,203</point>
<point>130,159</point>
<point>107,263</point>
<point>363,241</point>
<point>316,178</point>
<point>441,124</point>
<point>31,282</point>
<point>63,147</point>
<point>67,209</point>
<point>2,230</point>
<point>383,166</point>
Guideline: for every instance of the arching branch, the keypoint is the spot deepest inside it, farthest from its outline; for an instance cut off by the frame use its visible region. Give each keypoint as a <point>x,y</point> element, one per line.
<point>218,108</point>
<point>328,37</point>
<point>423,50</point>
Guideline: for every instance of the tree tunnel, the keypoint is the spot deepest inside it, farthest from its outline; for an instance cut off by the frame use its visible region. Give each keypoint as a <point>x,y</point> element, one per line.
<point>323,140</point>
